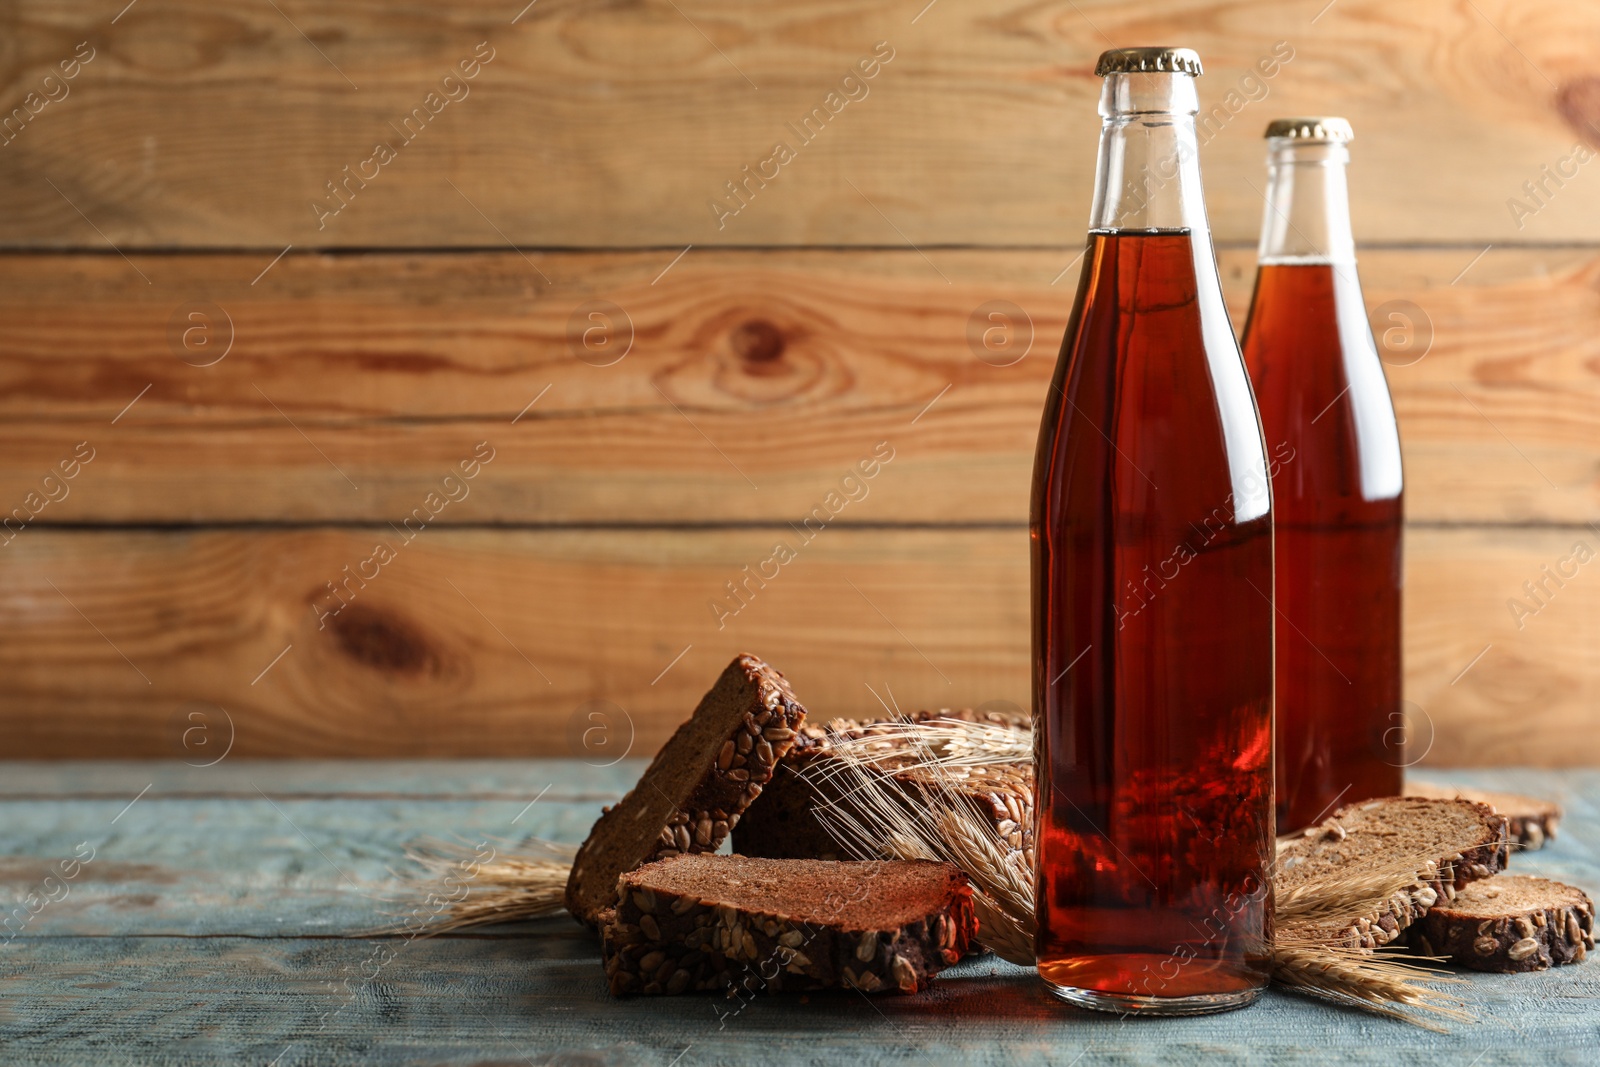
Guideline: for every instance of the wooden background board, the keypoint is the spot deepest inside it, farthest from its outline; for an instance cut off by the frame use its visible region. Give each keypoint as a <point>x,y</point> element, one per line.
<point>487,640</point>
<point>616,124</point>
<point>259,423</point>
<point>745,384</point>
<point>228,915</point>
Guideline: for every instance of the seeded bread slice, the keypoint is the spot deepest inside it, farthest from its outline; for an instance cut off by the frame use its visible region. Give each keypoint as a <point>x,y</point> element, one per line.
<point>1510,923</point>
<point>750,925</point>
<point>783,824</point>
<point>694,791</point>
<point>1452,842</point>
<point>1532,821</point>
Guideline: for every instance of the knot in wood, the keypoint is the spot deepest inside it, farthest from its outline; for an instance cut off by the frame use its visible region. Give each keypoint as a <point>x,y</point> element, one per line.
<point>757,341</point>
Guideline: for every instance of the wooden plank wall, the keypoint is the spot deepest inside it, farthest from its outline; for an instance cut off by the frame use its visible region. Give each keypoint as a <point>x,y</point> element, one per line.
<point>225,383</point>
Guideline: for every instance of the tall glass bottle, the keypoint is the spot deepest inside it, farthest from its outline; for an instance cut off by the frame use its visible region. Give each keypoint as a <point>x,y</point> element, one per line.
<point>1151,535</point>
<point>1336,485</point>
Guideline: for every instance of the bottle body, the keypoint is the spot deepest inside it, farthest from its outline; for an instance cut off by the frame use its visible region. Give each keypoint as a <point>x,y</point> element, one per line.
<point>1151,537</point>
<point>1337,497</point>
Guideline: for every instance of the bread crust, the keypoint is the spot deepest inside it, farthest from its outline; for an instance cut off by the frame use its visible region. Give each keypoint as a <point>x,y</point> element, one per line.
<point>1543,924</point>
<point>738,765</point>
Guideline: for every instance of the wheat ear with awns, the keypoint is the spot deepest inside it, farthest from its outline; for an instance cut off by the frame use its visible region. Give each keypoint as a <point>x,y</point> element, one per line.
<point>503,888</point>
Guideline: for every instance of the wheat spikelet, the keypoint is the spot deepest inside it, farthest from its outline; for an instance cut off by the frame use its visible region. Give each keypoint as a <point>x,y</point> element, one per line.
<point>1003,933</point>
<point>1359,890</point>
<point>1315,900</point>
<point>1370,981</point>
<point>514,890</point>
<point>503,888</point>
<point>938,742</point>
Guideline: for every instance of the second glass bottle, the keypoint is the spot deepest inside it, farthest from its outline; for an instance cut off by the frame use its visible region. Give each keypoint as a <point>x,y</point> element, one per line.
<point>1336,486</point>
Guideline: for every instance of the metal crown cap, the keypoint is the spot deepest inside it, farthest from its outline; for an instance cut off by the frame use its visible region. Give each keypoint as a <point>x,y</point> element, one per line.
<point>1148,61</point>
<point>1318,128</point>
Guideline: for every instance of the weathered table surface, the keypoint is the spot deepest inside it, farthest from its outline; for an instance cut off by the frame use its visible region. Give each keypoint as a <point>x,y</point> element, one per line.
<point>224,914</point>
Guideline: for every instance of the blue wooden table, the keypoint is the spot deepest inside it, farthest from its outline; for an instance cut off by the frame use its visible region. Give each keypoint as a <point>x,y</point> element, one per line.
<point>188,915</point>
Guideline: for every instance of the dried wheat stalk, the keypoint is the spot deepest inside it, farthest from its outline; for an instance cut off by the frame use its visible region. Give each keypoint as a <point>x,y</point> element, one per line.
<point>1358,978</point>
<point>500,889</point>
<point>1358,892</point>
<point>513,890</point>
<point>940,742</point>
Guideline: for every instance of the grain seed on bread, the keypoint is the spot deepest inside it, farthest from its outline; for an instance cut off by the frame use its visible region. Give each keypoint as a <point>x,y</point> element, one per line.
<point>694,791</point>
<point>1510,923</point>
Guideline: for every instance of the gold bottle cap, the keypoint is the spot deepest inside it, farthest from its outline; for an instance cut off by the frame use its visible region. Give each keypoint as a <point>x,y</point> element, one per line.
<point>1319,128</point>
<point>1148,61</point>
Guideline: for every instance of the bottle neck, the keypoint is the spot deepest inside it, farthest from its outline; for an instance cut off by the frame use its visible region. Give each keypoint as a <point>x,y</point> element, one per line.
<point>1148,179</point>
<point>1307,218</point>
<point>1148,176</point>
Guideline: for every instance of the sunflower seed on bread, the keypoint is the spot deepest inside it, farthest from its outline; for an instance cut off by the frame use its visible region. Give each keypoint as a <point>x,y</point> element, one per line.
<point>1449,843</point>
<point>1509,923</point>
<point>699,784</point>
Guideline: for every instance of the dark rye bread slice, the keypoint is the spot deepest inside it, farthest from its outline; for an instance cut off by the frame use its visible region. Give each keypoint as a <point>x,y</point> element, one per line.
<point>750,925</point>
<point>694,791</point>
<point>1509,923</point>
<point>783,823</point>
<point>1532,821</point>
<point>1451,842</point>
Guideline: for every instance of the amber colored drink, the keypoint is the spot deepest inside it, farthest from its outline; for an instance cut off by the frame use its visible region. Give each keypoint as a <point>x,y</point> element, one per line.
<point>1329,425</point>
<point>1152,563</point>
<point>1337,486</point>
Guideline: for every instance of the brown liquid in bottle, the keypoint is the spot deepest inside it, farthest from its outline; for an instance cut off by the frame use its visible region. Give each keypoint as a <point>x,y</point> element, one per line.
<point>1152,579</point>
<point>1340,725</point>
